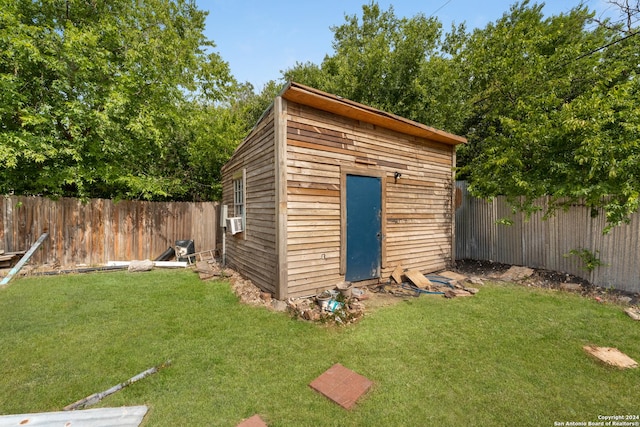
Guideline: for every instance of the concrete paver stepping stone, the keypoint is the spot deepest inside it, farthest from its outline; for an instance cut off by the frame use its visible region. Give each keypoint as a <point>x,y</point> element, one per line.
<point>341,385</point>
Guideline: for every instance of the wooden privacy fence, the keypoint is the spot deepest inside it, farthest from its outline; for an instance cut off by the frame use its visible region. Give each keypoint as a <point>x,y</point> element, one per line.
<point>99,230</point>
<point>546,244</point>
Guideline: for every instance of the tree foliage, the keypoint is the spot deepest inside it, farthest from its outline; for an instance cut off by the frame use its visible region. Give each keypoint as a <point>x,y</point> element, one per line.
<point>100,99</point>
<point>126,99</point>
<point>554,112</point>
<point>215,132</point>
<point>550,105</point>
<point>387,62</point>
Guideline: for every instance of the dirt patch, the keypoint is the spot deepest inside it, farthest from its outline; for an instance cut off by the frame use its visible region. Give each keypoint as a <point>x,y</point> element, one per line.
<point>349,309</point>
<point>540,278</point>
<point>380,299</point>
<point>482,269</point>
<point>341,310</point>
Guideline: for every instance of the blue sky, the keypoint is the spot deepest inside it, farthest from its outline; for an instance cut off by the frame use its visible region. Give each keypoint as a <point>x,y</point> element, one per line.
<point>260,38</point>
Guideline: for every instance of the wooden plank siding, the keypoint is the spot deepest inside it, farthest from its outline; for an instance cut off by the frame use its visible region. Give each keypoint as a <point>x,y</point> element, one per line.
<point>253,252</point>
<point>296,162</point>
<point>97,231</point>
<point>418,204</point>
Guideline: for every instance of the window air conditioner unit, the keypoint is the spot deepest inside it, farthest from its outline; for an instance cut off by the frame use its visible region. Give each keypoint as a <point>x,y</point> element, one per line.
<point>234,224</point>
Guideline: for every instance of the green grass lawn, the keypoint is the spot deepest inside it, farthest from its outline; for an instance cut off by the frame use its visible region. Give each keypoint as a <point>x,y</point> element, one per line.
<point>510,356</point>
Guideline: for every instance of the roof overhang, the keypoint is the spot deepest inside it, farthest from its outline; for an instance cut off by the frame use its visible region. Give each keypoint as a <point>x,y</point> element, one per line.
<point>306,95</point>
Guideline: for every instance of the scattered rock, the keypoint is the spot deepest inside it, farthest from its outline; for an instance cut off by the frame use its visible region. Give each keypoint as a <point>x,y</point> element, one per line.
<point>247,292</point>
<point>476,280</point>
<point>472,291</point>
<point>311,315</point>
<point>206,276</point>
<point>479,270</point>
<point>457,279</point>
<point>357,306</point>
<point>301,304</point>
<point>362,297</point>
<point>278,305</point>
<point>203,267</point>
<point>208,269</point>
<point>452,293</point>
<point>145,265</point>
<point>573,287</point>
<point>349,310</point>
<point>624,300</point>
<point>516,273</point>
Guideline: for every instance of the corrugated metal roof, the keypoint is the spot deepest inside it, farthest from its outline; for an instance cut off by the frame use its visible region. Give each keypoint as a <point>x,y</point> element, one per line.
<point>126,416</point>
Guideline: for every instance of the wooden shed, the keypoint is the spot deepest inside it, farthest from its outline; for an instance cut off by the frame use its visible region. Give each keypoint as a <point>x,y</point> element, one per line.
<point>326,190</point>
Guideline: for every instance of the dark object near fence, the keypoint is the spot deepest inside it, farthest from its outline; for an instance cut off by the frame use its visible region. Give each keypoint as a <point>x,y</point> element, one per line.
<point>8,260</point>
<point>184,248</point>
<point>167,255</point>
<point>96,231</point>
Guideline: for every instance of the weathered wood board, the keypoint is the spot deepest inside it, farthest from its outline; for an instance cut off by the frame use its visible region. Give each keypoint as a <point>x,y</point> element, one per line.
<point>297,160</point>
<point>397,274</point>
<point>611,356</point>
<point>418,279</point>
<point>95,231</point>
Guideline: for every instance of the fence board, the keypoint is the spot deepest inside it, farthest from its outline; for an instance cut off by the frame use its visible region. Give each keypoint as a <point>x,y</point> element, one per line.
<point>544,244</point>
<point>99,230</point>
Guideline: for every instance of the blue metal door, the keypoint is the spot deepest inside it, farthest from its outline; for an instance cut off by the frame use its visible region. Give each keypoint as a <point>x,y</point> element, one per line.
<point>363,227</point>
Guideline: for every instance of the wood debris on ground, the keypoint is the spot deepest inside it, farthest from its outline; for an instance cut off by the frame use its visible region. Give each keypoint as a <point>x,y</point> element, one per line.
<point>25,258</point>
<point>447,283</point>
<point>350,308</point>
<point>611,356</point>
<point>452,293</point>
<point>418,279</point>
<point>97,397</point>
<point>9,259</point>
<point>345,309</point>
<point>208,269</point>
<point>633,312</point>
<point>397,274</point>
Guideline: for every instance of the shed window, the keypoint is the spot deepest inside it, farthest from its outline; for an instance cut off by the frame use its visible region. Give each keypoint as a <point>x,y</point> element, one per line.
<point>239,196</point>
